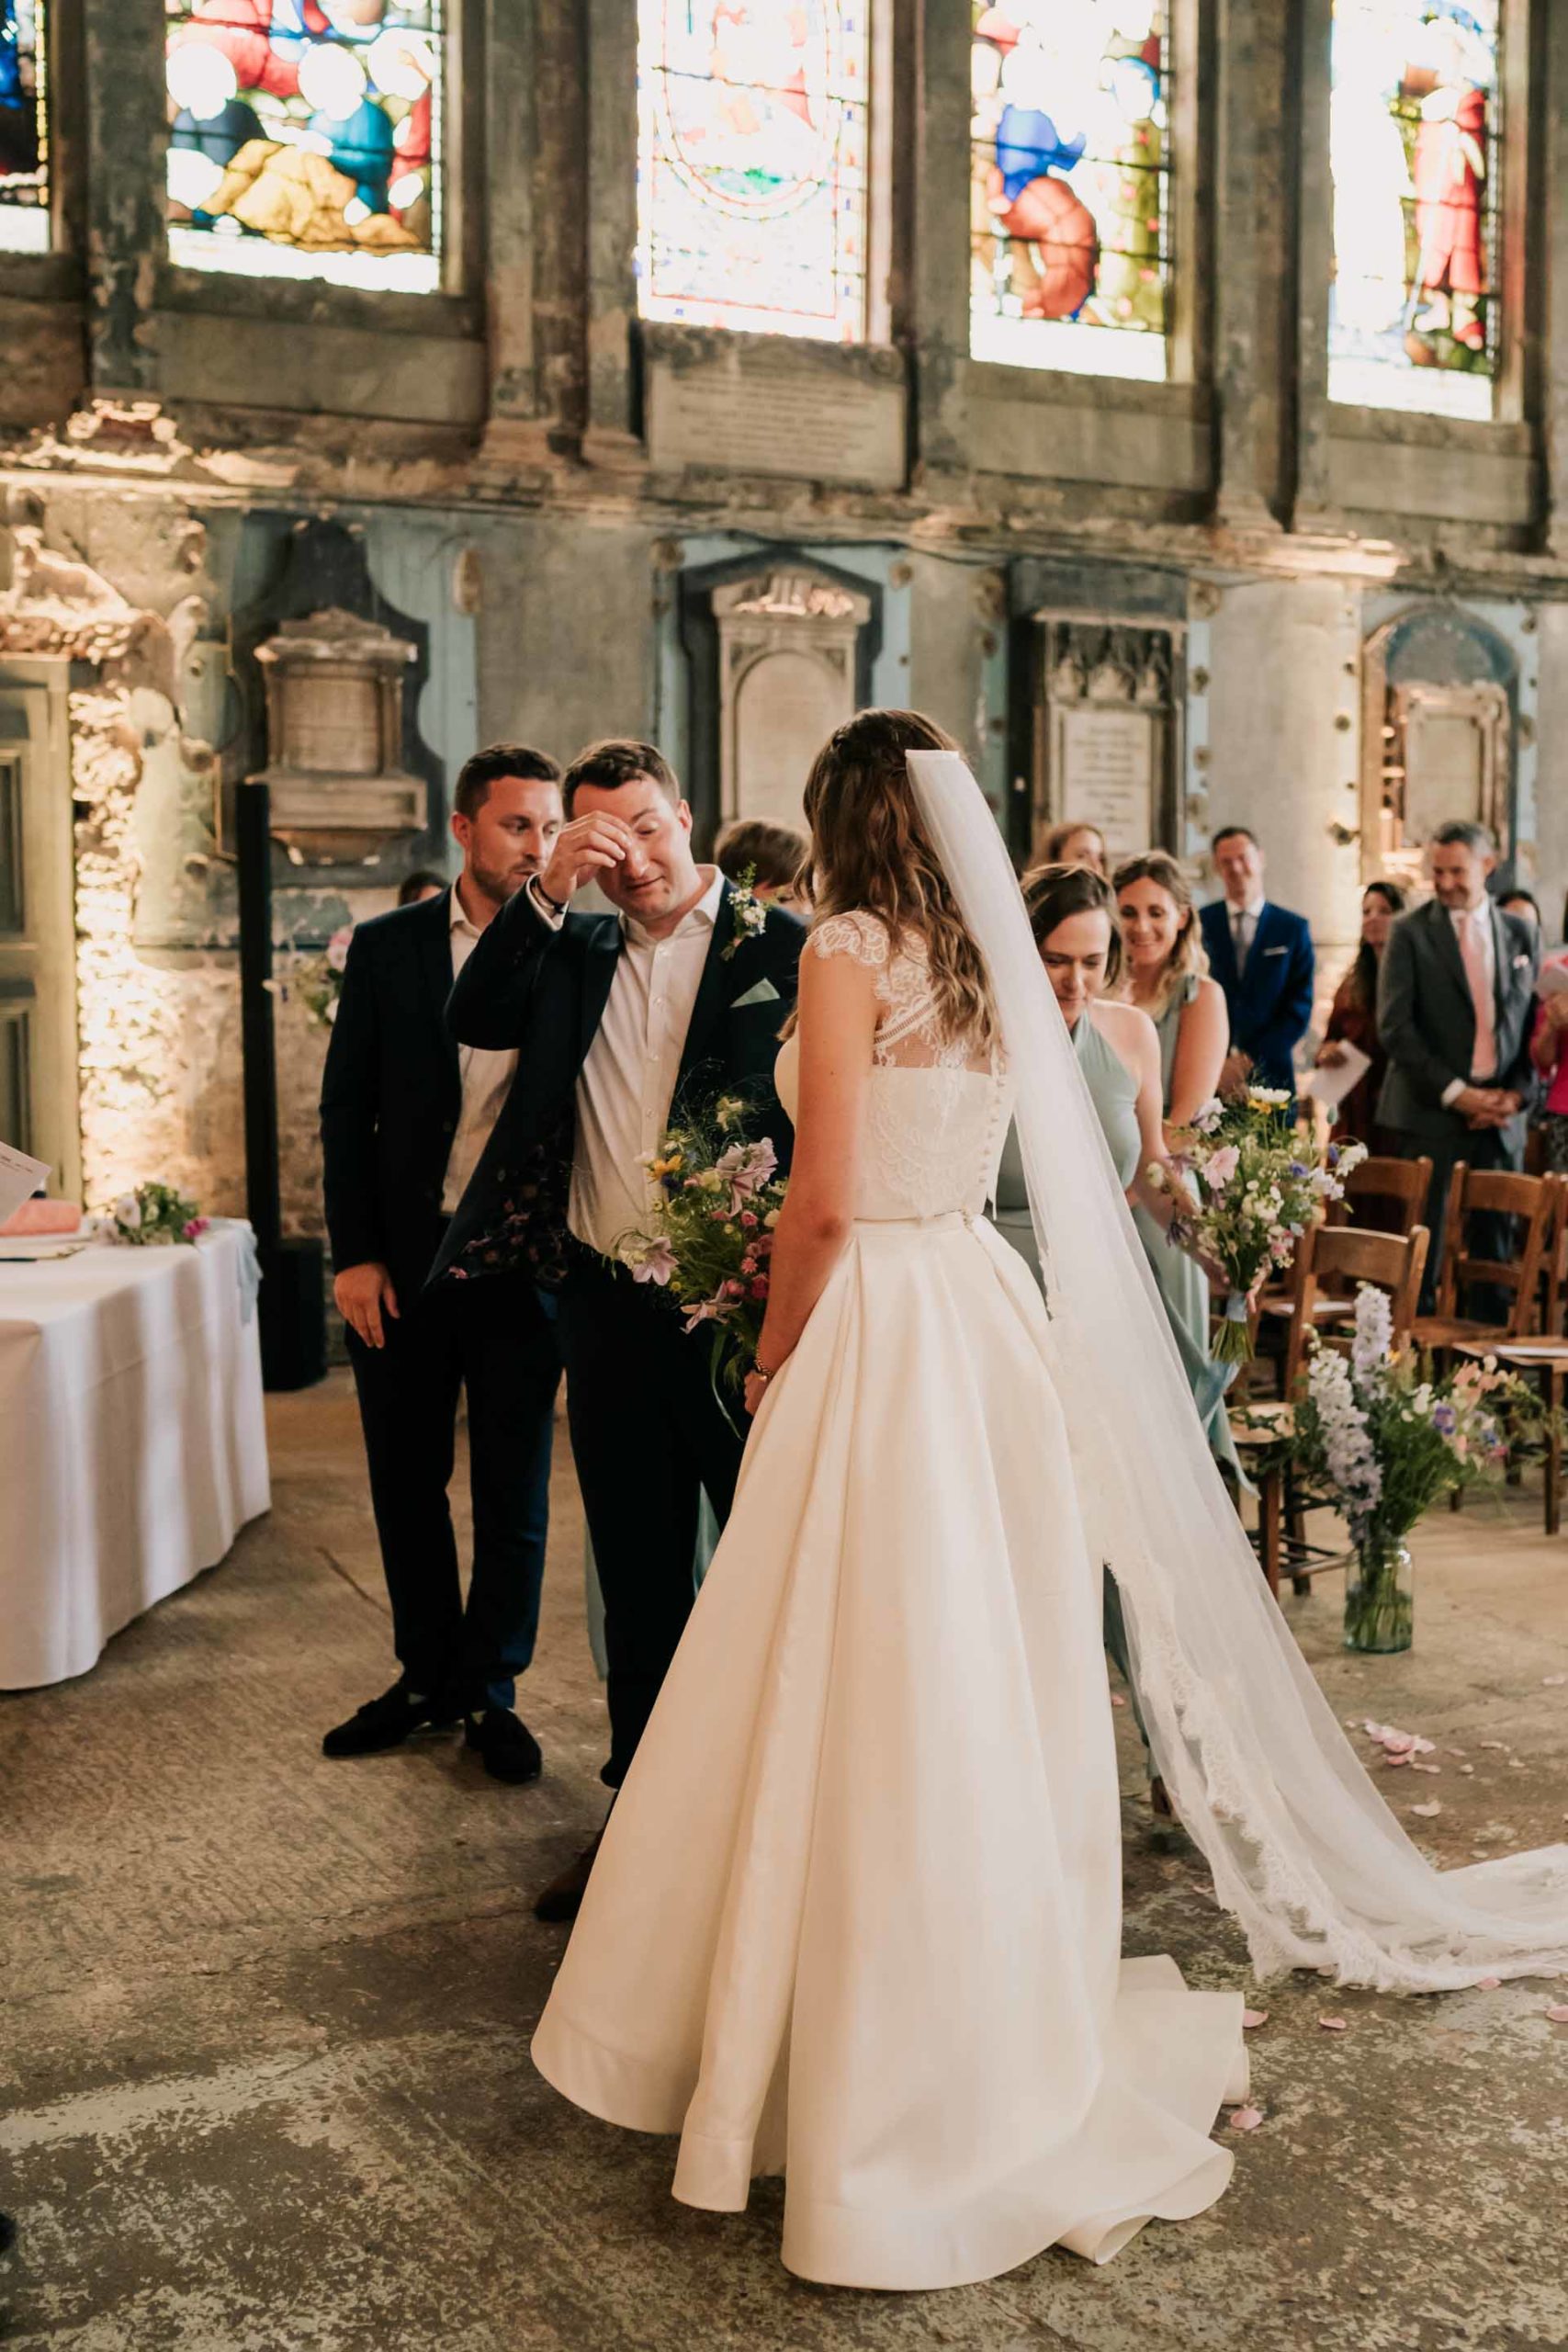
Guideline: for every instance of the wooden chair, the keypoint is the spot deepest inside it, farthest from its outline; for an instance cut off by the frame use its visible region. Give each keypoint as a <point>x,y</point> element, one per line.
<point>1397,1185</point>
<point>1534,1202</point>
<point>1545,1359</point>
<point>1400,1185</point>
<point>1390,1262</point>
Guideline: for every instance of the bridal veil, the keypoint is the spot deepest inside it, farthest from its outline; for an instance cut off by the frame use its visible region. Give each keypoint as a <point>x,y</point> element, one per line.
<point>1304,1850</point>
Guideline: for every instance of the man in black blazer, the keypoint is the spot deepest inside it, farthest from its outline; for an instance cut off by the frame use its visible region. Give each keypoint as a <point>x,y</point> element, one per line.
<point>1262,957</point>
<point>405,1119</point>
<point>1456,1011</point>
<point>622,1022</point>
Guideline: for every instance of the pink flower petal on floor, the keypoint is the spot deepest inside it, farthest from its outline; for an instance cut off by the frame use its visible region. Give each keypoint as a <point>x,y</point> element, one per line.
<point>1332,2025</point>
<point>1117,1699</point>
<point>1250,2017</point>
<point>1398,1743</point>
<point>1501,1744</point>
<point>1427,1768</point>
<point>1372,1730</point>
<point>1248,2119</point>
<point>1427,1811</point>
<point>1553,1682</point>
<point>1459,1751</point>
<point>1515,1763</point>
<point>1487,1983</point>
<point>1391,1760</point>
<point>1467,1768</point>
<point>1558,2013</point>
<point>1419,1746</point>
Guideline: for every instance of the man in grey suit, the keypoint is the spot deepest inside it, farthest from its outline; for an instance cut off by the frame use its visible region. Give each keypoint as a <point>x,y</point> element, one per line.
<point>1456,1000</point>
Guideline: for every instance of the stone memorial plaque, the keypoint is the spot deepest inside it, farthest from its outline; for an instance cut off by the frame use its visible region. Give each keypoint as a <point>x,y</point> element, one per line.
<point>756,410</point>
<point>1109,775</point>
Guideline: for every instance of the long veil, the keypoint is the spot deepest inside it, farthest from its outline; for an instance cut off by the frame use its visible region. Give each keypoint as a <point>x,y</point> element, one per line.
<point>1304,1850</point>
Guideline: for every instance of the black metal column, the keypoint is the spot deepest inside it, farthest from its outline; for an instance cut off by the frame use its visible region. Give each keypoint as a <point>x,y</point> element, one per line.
<point>292,1306</point>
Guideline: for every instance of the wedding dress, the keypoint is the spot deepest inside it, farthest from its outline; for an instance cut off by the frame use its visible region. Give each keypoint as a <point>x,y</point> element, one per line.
<point>857,1913</point>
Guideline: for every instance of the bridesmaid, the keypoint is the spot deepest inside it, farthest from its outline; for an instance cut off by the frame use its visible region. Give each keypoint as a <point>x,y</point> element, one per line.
<point>1118,1052</point>
<point>1166,977</point>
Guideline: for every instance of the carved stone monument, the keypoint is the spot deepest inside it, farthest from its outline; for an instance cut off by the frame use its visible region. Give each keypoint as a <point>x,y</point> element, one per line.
<point>787,645</point>
<point>334,707</point>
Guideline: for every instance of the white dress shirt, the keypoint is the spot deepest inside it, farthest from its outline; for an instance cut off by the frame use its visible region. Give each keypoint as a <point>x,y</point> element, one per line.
<point>487,1078</point>
<point>1244,922</point>
<point>627,1082</point>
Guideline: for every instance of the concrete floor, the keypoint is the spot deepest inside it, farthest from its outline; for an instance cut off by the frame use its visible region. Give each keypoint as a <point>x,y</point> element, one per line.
<point>265,2019</point>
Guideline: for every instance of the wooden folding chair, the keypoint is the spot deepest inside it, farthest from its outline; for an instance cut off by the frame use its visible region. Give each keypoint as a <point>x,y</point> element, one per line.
<point>1378,1183</point>
<point>1392,1262</point>
<point>1545,1359</point>
<point>1533,1202</point>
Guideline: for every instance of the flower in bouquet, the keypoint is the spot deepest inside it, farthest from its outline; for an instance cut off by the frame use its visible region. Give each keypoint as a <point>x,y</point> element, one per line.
<point>1247,1184</point>
<point>320,978</point>
<point>708,1240</point>
<point>153,1216</point>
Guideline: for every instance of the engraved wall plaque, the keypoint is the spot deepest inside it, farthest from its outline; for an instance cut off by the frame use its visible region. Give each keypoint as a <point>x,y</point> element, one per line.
<point>1109,774</point>
<point>758,407</point>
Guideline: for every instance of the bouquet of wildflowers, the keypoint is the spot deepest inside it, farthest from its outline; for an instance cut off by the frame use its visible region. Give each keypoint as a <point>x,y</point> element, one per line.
<point>1247,1183</point>
<point>710,1234</point>
<point>320,978</point>
<point>1385,1439</point>
<point>154,1214</point>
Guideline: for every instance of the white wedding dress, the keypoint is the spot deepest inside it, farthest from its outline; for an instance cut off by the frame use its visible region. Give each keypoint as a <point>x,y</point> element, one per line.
<point>857,1914</point>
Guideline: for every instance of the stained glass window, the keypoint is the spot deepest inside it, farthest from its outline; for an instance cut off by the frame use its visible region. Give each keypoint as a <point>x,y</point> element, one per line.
<point>751,165</point>
<point>305,139</point>
<point>1415,146</point>
<point>1070,188</point>
<point>24,129</point>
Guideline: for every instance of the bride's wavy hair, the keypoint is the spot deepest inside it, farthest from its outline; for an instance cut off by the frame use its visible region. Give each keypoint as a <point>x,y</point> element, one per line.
<point>870,850</point>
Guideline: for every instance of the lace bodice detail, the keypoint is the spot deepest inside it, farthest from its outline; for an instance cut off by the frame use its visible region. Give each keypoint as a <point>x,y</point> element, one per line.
<point>938,1108</point>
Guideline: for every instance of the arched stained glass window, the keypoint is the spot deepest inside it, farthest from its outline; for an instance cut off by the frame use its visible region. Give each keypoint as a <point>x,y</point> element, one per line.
<point>305,139</point>
<point>1070,189</point>
<point>1415,146</point>
<point>24,128</point>
<point>751,165</point>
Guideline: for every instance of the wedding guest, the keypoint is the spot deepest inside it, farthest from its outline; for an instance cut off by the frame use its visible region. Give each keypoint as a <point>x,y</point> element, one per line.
<point>1166,979</point>
<point>405,1119</point>
<point>775,856</point>
<point>421,884</point>
<point>1548,1051</point>
<point>1262,957</point>
<point>620,1022</point>
<point>1456,1003</point>
<point>1525,905</point>
<point>1076,845</point>
<point>1117,1046</point>
<point>1353,1021</point>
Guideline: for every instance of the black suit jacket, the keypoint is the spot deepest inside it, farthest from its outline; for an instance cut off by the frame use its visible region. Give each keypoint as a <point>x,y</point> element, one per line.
<point>1426,1020</point>
<point>545,991</point>
<point>391,1093</point>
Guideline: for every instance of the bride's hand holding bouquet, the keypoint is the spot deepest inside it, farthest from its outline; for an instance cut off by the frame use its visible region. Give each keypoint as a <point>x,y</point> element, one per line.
<point>1247,1183</point>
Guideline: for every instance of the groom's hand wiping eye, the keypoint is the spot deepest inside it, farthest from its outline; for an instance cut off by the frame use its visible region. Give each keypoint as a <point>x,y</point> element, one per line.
<point>587,846</point>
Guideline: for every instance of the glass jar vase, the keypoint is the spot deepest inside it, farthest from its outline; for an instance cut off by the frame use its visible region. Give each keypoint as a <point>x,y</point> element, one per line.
<point>1380,1597</point>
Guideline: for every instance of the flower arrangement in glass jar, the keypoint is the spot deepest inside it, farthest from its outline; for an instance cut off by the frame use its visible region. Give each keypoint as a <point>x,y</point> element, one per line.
<point>1247,1183</point>
<point>155,1216</point>
<point>710,1233</point>
<point>1384,1438</point>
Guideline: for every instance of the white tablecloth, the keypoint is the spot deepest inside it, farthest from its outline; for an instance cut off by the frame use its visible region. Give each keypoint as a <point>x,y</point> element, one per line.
<point>132,1443</point>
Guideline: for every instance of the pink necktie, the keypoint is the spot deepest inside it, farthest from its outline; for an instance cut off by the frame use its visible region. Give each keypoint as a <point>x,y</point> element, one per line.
<point>1472,947</point>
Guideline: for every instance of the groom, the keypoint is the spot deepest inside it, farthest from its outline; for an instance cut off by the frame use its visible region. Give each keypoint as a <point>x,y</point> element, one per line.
<point>623,1023</point>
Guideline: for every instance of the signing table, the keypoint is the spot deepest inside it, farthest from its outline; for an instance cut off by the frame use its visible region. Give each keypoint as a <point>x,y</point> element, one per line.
<point>133,1443</point>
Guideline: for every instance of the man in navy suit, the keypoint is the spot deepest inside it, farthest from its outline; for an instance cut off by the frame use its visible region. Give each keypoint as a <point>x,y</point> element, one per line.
<point>405,1119</point>
<point>1262,957</point>
<point>623,1024</point>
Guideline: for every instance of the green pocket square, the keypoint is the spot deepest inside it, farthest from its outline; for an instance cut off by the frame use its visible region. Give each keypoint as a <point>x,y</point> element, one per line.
<point>763,993</point>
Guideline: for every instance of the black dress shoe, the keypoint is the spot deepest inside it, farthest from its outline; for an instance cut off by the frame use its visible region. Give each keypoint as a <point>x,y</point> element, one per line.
<point>562,1899</point>
<point>509,1749</point>
<point>387,1722</point>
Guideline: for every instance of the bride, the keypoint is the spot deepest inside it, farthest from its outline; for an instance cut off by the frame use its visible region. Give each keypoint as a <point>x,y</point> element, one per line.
<point>857,1913</point>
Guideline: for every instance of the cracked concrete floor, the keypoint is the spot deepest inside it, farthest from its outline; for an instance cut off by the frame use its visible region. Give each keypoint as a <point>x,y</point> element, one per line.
<point>265,2020</point>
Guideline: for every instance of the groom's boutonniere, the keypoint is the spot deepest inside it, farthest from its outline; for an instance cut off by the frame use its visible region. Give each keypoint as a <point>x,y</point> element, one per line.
<point>746,911</point>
